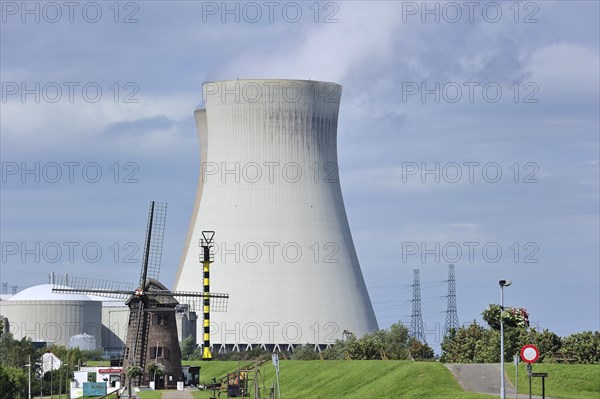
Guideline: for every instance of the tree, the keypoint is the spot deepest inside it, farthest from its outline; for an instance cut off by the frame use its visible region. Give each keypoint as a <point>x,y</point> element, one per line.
<point>56,381</point>
<point>188,345</point>
<point>475,344</point>
<point>197,354</point>
<point>547,342</point>
<point>156,369</point>
<point>131,373</point>
<point>337,351</point>
<point>15,353</point>
<point>420,350</point>
<point>487,348</point>
<point>13,382</point>
<point>461,346</point>
<point>369,347</point>
<point>584,347</point>
<point>396,343</point>
<point>389,344</point>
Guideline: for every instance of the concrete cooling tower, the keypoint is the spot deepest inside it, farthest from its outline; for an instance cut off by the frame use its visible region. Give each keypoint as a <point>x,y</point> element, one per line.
<point>269,187</point>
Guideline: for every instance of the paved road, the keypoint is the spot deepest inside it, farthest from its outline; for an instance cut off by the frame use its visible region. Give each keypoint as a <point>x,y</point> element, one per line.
<point>177,395</point>
<point>483,378</point>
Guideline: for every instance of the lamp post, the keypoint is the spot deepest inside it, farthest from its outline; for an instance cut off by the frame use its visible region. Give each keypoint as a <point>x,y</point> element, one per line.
<point>503,283</point>
<point>29,372</point>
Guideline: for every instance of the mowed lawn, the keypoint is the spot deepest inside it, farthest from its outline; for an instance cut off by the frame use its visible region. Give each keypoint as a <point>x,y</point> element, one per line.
<point>351,379</point>
<point>396,379</point>
<point>568,381</point>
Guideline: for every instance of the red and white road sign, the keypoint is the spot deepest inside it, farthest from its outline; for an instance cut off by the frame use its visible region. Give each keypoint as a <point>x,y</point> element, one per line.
<point>530,353</point>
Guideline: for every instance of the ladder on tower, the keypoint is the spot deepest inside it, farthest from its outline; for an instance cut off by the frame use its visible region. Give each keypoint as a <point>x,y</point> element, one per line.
<point>138,322</point>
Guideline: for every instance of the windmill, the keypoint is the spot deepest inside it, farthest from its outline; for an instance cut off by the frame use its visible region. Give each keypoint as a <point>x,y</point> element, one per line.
<point>152,328</point>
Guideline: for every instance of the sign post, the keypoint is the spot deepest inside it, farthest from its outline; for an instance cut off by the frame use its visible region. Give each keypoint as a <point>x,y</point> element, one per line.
<point>516,361</point>
<point>529,367</point>
<point>275,361</point>
<point>530,354</point>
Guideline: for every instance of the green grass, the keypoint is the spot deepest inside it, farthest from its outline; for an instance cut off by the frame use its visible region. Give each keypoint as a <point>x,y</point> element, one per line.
<point>568,381</point>
<point>150,394</point>
<point>351,379</point>
<point>396,379</point>
<point>98,363</point>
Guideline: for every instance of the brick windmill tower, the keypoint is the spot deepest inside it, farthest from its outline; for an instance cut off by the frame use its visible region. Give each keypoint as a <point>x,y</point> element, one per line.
<point>152,328</point>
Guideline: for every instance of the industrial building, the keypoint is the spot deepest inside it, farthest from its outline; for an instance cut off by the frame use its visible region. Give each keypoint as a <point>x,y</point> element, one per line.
<point>269,187</point>
<point>76,320</point>
<point>44,316</point>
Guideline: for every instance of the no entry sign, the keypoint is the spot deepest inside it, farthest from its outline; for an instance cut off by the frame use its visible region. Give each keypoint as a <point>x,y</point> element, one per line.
<point>530,353</point>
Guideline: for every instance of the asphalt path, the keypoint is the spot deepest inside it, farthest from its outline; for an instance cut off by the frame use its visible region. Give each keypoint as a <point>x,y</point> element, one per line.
<point>483,378</point>
<point>177,395</point>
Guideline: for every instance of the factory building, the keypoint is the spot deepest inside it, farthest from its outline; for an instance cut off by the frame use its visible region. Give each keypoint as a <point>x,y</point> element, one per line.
<point>269,187</point>
<point>89,322</point>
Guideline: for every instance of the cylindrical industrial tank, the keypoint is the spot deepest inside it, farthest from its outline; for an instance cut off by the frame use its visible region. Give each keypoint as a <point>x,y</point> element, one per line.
<point>83,341</point>
<point>42,315</point>
<point>269,187</point>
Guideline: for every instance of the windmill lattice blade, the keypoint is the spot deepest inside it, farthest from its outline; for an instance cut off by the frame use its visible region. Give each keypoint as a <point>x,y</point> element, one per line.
<point>92,286</point>
<point>218,302</point>
<point>154,241</point>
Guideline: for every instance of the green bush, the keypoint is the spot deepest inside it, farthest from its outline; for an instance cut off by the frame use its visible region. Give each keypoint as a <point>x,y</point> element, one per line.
<point>13,381</point>
<point>420,350</point>
<point>584,347</point>
<point>305,352</point>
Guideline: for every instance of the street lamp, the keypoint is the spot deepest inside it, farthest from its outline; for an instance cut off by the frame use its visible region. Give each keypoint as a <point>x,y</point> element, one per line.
<point>29,369</point>
<point>503,283</point>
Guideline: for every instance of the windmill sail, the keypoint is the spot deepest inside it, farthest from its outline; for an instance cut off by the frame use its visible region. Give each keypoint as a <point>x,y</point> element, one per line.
<point>151,305</point>
<point>157,217</point>
<point>92,286</point>
<point>124,291</point>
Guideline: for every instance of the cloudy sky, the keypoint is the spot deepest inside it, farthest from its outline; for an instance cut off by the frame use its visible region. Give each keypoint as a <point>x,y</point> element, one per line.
<point>468,134</point>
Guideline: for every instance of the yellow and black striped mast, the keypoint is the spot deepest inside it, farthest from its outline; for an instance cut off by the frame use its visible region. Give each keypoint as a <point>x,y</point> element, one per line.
<point>206,259</point>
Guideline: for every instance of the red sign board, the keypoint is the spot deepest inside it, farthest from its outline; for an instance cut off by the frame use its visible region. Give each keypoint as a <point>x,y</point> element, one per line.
<point>530,353</point>
<point>110,371</point>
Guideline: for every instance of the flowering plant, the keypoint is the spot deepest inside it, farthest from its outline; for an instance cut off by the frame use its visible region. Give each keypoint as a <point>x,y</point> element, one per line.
<point>512,317</point>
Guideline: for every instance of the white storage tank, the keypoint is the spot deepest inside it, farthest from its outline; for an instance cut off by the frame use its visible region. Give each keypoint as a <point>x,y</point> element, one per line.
<point>83,341</point>
<point>42,315</point>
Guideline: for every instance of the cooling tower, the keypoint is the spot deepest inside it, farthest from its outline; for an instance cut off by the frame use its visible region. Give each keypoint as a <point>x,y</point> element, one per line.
<point>269,187</point>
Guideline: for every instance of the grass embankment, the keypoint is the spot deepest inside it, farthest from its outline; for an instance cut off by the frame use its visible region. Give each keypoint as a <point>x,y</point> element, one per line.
<point>397,379</point>
<point>350,379</point>
<point>568,381</point>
